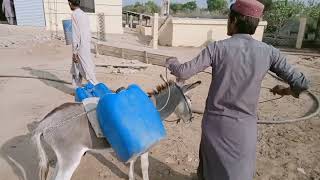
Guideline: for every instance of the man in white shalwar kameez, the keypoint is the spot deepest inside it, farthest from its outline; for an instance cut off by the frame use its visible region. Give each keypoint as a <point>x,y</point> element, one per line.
<point>9,12</point>
<point>82,64</point>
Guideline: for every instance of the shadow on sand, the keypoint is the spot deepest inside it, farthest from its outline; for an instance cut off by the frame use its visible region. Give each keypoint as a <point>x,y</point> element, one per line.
<point>21,154</point>
<point>45,74</point>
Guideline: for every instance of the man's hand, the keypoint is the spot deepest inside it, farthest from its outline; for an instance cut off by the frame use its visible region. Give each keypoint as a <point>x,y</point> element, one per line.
<point>171,60</point>
<point>75,58</point>
<point>180,82</point>
<point>283,91</point>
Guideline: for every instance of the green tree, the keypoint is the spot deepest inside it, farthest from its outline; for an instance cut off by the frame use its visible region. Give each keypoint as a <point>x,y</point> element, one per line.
<point>176,7</point>
<point>313,13</point>
<point>151,7</point>
<point>280,13</point>
<point>191,6</point>
<point>137,7</point>
<point>214,5</point>
<point>267,4</point>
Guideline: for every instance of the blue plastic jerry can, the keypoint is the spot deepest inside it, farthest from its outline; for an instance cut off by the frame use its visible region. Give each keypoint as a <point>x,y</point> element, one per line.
<point>67,28</point>
<point>130,122</point>
<point>90,90</point>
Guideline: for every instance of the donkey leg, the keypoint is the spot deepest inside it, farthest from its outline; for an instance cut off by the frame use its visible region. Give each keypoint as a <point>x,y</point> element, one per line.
<point>145,166</point>
<point>43,161</point>
<point>44,172</point>
<point>67,164</point>
<point>56,169</point>
<point>131,170</point>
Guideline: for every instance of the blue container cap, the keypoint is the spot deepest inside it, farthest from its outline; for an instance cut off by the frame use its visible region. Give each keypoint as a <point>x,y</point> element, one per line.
<point>88,86</point>
<point>81,94</point>
<point>90,90</point>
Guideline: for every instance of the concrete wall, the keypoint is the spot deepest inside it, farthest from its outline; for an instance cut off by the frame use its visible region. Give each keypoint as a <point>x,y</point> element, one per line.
<point>112,9</point>
<point>197,32</point>
<point>144,30</point>
<point>131,54</point>
<point>166,35</point>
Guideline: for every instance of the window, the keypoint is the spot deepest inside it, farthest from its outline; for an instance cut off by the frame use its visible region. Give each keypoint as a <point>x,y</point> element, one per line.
<point>87,6</point>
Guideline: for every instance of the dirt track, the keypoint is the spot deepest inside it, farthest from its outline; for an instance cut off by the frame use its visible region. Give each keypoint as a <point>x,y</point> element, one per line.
<point>289,151</point>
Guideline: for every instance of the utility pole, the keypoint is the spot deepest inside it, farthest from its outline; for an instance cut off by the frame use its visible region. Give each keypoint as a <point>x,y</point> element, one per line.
<point>165,7</point>
<point>155,30</point>
<point>168,7</point>
<point>302,28</point>
<point>318,28</point>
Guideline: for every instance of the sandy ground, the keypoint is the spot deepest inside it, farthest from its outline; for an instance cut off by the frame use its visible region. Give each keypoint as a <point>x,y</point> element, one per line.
<point>288,151</point>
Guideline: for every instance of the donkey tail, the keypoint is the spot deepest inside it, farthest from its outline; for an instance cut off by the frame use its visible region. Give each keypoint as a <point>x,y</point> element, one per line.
<point>43,160</point>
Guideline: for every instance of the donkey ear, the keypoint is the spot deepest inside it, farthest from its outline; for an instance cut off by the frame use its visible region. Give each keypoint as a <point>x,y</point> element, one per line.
<point>188,87</point>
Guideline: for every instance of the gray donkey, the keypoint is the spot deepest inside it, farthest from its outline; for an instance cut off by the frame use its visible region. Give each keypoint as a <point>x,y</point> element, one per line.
<point>68,132</point>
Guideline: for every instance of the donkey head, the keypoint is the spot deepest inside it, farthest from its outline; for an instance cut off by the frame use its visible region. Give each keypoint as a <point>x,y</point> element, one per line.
<point>170,98</point>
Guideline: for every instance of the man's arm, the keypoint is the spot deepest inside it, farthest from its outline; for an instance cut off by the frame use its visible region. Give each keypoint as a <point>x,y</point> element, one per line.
<point>186,70</point>
<point>75,36</point>
<point>297,80</point>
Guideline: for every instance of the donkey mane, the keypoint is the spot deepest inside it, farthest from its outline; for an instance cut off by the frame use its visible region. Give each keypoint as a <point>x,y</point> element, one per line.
<point>161,87</point>
<point>158,90</point>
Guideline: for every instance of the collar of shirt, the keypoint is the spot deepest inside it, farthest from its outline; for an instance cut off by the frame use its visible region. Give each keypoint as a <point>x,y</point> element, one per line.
<point>244,36</point>
<point>77,9</point>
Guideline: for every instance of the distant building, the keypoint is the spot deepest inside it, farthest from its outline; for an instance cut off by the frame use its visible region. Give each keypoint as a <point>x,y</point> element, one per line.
<point>50,13</point>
